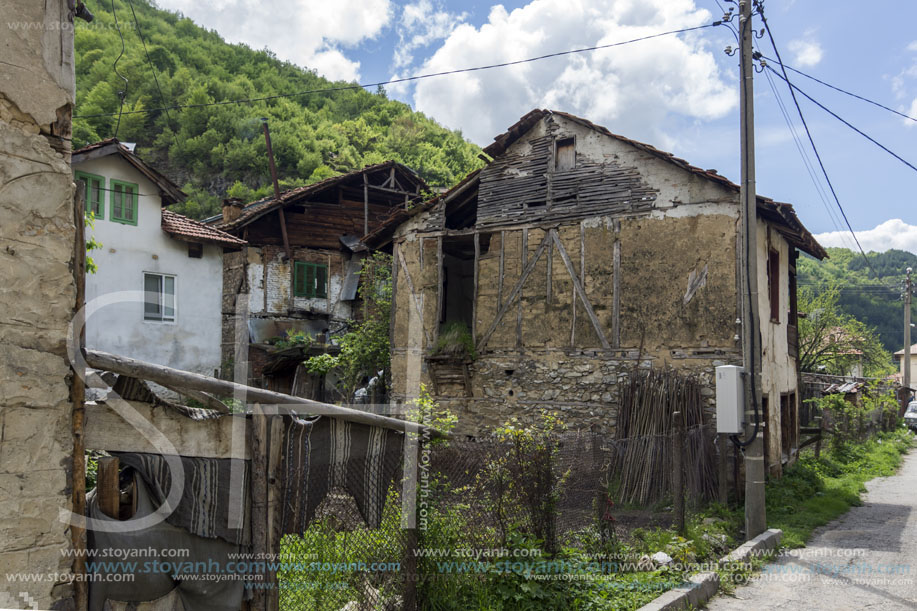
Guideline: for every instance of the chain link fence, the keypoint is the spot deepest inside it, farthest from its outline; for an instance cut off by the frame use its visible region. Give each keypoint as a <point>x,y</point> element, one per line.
<point>489,507</point>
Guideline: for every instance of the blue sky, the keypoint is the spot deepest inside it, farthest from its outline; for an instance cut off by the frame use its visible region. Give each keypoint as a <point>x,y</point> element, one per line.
<point>677,93</point>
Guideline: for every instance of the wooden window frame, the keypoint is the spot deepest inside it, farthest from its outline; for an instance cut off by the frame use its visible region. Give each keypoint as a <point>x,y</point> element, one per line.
<point>773,283</point>
<point>134,203</point>
<point>88,178</point>
<point>302,288</point>
<point>162,318</point>
<point>557,145</point>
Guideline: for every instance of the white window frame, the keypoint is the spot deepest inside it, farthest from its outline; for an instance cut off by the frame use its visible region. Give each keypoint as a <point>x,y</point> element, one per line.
<point>160,298</point>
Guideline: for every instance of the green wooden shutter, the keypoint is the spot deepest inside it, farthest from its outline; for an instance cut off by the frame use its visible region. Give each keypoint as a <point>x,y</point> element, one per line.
<point>321,281</point>
<point>299,279</point>
<point>310,280</point>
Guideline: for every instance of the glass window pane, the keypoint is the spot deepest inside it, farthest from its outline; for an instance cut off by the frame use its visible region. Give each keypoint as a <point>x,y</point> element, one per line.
<point>96,197</point>
<point>152,288</point>
<point>117,205</point>
<point>168,298</point>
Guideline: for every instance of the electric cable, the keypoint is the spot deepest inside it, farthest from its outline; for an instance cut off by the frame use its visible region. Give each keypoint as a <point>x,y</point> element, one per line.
<point>121,94</point>
<point>407,78</point>
<point>811,140</point>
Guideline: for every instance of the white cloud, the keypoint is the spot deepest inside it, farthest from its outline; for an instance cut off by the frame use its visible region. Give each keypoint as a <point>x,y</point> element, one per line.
<point>912,46</point>
<point>807,52</point>
<point>893,233</point>
<point>422,23</point>
<point>631,89</point>
<point>305,32</point>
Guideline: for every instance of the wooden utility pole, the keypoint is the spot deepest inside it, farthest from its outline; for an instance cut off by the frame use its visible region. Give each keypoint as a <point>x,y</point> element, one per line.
<point>907,338</point>
<point>755,519</point>
<point>283,220</point>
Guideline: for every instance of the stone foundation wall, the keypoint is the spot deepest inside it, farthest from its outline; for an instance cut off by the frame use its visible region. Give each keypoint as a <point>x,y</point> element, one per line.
<point>583,387</point>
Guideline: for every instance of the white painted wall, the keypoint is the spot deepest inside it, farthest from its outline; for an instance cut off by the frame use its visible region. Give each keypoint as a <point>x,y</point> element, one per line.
<point>279,286</point>
<point>192,342</point>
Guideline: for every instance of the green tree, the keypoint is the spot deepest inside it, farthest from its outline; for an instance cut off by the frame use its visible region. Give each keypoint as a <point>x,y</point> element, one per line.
<point>365,348</point>
<point>832,341</point>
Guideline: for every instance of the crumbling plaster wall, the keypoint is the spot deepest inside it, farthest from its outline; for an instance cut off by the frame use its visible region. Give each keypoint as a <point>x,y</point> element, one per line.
<point>37,295</point>
<point>691,228</point>
<point>778,369</point>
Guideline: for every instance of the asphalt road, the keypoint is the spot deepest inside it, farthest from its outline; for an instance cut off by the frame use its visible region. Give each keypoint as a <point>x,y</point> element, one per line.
<point>866,559</point>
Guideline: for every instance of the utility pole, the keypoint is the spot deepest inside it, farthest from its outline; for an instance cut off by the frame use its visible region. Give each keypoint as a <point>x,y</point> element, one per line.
<point>755,519</point>
<point>907,338</point>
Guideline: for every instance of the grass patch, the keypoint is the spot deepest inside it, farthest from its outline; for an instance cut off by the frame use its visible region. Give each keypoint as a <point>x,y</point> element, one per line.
<point>455,340</point>
<point>813,492</point>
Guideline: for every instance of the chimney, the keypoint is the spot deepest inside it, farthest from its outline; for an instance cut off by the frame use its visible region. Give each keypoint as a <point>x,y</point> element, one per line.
<point>232,208</point>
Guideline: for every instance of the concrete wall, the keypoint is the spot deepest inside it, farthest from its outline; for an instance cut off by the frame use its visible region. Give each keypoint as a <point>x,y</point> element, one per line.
<point>192,341</point>
<point>37,295</point>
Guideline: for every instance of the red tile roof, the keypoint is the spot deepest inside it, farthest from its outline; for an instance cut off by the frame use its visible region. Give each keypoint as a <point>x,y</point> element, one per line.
<point>182,228</point>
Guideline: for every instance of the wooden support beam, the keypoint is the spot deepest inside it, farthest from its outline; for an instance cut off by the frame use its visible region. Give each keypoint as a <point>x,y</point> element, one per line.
<point>365,204</point>
<point>208,400</point>
<point>274,493</point>
<point>549,279</point>
<point>440,265</point>
<point>616,289</point>
<point>286,238</point>
<point>410,283</point>
<point>474,290</point>
<point>515,293</point>
<point>77,418</point>
<point>502,256</point>
<point>107,489</point>
<point>525,255</point>
<point>186,379</point>
<point>579,289</point>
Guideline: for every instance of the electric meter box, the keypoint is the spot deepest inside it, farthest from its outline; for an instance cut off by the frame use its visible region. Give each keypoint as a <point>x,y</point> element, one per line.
<point>730,400</point>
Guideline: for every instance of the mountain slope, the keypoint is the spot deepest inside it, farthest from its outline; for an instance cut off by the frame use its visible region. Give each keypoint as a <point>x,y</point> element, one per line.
<point>870,294</point>
<point>213,149</point>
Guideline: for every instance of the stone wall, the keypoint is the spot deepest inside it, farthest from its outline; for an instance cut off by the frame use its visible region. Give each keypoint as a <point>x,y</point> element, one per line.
<point>37,296</point>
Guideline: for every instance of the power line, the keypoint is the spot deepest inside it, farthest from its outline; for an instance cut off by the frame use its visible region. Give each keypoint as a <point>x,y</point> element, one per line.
<point>407,78</point>
<point>150,61</point>
<point>121,94</point>
<point>811,140</point>
<point>847,123</point>
<point>844,91</point>
<point>819,189</point>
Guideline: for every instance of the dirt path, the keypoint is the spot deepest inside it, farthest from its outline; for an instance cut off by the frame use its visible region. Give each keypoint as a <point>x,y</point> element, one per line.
<point>865,559</point>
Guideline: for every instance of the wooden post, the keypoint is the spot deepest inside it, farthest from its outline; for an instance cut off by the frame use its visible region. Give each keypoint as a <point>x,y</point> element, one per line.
<point>274,480</point>
<point>821,433</point>
<point>77,395</point>
<point>258,451</point>
<point>440,270</point>
<point>107,489</point>
<point>525,255</point>
<point>678,479</point>
<point>722,490</point>
<point>411,538</point>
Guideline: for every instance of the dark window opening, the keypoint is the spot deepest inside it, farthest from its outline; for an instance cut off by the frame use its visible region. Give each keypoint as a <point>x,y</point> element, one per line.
<point>536,204</point>
<point>462,213</point>
<point>773,282</point>
<point>565,155</point>
<point>458,279</point>
<point>195,250</point>
<point>792,334</point>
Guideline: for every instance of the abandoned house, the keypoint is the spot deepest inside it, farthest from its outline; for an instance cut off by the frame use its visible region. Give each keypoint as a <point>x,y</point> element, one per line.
<point>159,276</point>
<point>574,256</point>
<point>298,277</point>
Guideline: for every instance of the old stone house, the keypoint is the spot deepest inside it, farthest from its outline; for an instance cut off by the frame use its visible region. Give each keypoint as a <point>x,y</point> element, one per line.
<point>159,277</point>
<point>300,270</point>
<point>574,256</point>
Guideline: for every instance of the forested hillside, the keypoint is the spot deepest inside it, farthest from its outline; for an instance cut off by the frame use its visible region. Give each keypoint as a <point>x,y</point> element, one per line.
<point>870,294</point>
<point>212,150</point>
